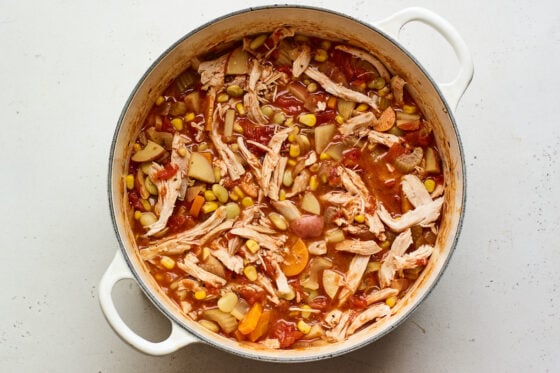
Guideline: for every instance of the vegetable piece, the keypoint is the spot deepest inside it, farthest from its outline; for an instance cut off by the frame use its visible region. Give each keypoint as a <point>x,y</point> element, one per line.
<point>228,122</point>
<point>192,100</point>
<point>308,226</point>
<point>150,186</point>
<point>303,327</point>
<point>220,192</point>
<point>240,309</point>
<point>316,266</point>
<point>334,236</point>
<point>386,120</point>
<point>332,281</point>
<point>251,319</point>
<point>250,272</point>
<point>296,259</point>
<point>227,302</point>
<point>129,180</point>
<point>148,218</point>
<point>308,119</point>
<point>186,80</point>
<point>335,151</point>
<point>200,168</point>
<point>210,325</point>
<point>178,108</point>
<point>150,152</point>
<point>432,162</point>
<point>227,322</point>
<point>238,62</point>
<point>262,326</point>
<point>196,206</point>
<point>323,135</point>
<point>278,220</point>
<point>345,108</point>
<point>406,162</point>
<point>164,139</point>
<point>311,204</point>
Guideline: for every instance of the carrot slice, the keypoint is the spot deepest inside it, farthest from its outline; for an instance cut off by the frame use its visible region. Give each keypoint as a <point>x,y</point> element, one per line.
<point>262,326</point>
<point>251,319</point>
<point>296,259</point>
<point>197,203</point>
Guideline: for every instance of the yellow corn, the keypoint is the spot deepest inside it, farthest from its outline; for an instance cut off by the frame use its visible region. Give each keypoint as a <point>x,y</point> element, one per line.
<point>200,294</point>
<point>383,91</point>
<point>324,157</point>
<point>291,137</point>
<point>237,128</point>
<point>409,109</point>
<point>313,183</point>
<point>362,107</point>
<point>209,195</point>
<point>247,202</point>
<point>359,218</point>
<point>160,100</point>
<point>292,162</point>
<point>217,174</point>
<point>250,272</point>
<point>339,119</point>
<point>310,120</point>
<point>209,207</point>
<point>391,301</point>
<point>305,314</point>
<point>324,178</point>
<point>253,246</point>
<point>137,214</point>
<point>240,108</point>
<point>430,185</point>
<point>289,122</point>
<point>331,102</point>
<point>182,151</point>
<point>294,150</point>
<point>326,44</point>
<point>129,179</point>
<point>237,190</point>
<point>282,195</point>
<point>234,147</point>
<point>303,327</point>
<point>146,205</point>
<point>167,262</point>
<point>233,196</point>
<point>290,295</point>
<point>189,117</point>
<point>205,253</point>
<point>177,123</point>
<point>312,87</point>
<point>136,147</point>
<point>222,97</point>
<point>320,55</point>
<point>202,147</point>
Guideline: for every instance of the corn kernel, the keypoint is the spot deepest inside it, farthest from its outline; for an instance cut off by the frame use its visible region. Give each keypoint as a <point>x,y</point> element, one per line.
<point>167,262</point>
<point>233,196</point>
<point>208,207</point>
<point>137,214</point>
<point>289,122</point>
<point>250,272</point>
<point>282,195</point>
<point>359,219</point>
<point>291,137</point>
<point>324,157</point>
<point>326,44</point>
<point>237,190</point>
<point>289,295</point>
<point>129,179</point>
<point>200,294</point>
<point>222,97</point>
<point>331,102</point>
<point>240,108</point>
<point>383,91</point>
<point>209,195</point>
<point>237,128</point>
<point>303,327</point>
<point>247,202</point>
<point>294,150</point>
<point>312,87</point>
<point>409,109</point>
<point>217,174</point>
<point>339,119</point>
<point>160,100</point>
<point>324,178</point>
<point>234,147</point>
<point>145,204</point>
<point>202,147</point>
<point>310,120</point>
<point>136,147</point>
<point>292,162</point>
<point>362,107</point>
<point>177,123</point>
<point>205,253</point>
<point>305,314</point>
<point>430,185</point>
<point>313,183</point>
<point>320,55</point>
<point>253,246</point>
<point>391,301</point>
<point>189,117</point>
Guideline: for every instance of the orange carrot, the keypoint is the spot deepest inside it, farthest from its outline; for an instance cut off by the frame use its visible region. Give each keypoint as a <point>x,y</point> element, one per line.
<point>197,203</point>
<point>251,319</point>
<point>296,259</point>
<point>262,326</point>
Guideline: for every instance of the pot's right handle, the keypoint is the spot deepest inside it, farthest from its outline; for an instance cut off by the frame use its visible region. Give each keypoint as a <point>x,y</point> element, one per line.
<point>118,270</point>
<point>454,89</point>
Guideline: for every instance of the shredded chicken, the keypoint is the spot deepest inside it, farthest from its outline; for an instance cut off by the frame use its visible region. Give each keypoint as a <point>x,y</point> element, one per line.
<point>415,191</point>
<point>266,283</point>
<point>339,332</point>
<point>234,167</point>
<point>232,262</point>
<point>357,125</point>
<point>379,295</point>
<point>302,61</point>
<point>337,89</point>
<point>212,73</point>
<point>272,161</point>
<point>387,139</point>
<point>265,240</point>
<point>422,215</point>
<point>251,159</point>
<point>360,53</point>
<point>414,259</point>
<point>356,270</point>
<point>300,183</point>
<point>223,227</point>
<point>189,266</point>
<point>169,189</point>
<point>388,264</point>
<point>397,84</point>
<point>373,312</point>
<point>358,247</point>
<point>287,208</point>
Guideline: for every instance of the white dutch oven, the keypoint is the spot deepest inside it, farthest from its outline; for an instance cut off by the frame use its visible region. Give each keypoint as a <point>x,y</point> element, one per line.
<point>436,100</point>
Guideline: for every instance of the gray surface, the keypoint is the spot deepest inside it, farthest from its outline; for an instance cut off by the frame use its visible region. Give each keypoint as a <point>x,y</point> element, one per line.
<point>66,70</point>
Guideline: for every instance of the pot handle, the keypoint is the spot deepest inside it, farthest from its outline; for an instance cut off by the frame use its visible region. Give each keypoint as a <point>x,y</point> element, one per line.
<point>118,270</point>
<point>454,89</point>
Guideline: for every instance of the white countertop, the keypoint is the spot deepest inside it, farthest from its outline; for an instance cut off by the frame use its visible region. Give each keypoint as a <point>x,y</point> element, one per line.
<point>66,70</point>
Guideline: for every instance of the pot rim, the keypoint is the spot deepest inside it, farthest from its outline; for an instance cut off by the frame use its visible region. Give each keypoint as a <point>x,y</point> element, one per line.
<point>315,353</point>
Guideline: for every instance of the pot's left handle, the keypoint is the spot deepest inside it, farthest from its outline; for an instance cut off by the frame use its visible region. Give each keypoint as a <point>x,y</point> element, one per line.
<point>118,270</point>
<point>453,90</point>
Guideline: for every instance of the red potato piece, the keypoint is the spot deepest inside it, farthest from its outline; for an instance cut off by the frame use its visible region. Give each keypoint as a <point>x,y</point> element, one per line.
<point>308,226</point>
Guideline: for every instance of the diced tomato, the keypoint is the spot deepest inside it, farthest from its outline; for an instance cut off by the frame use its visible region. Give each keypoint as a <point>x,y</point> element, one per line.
<point>334,178</point>
<point>257,133</point>
<point>169,170</point>
<point>358,302</point>
<point>351,157</point>
<point>289,104</point>
<point>325,116</point>
<point>251,295</point>
<point>422,137</point>
<point>320,302</point>
<point>166,125</point>
<point>134,200</point>
<point>286,333</point>
<point>394,152</point>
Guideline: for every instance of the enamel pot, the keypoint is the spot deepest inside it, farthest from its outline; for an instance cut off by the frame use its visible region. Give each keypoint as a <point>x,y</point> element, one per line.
<point>436,100</point>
